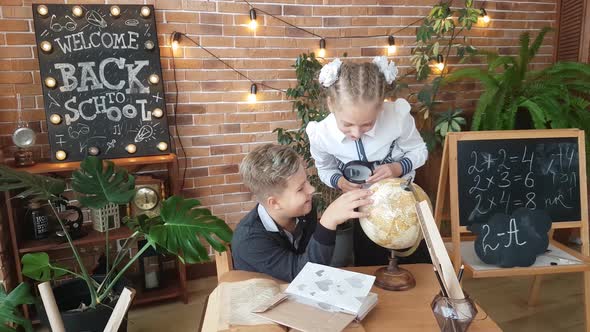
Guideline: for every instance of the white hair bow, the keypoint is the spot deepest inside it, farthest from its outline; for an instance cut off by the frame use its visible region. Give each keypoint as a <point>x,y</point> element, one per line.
<point>330,72</point>
<point>388,68</point>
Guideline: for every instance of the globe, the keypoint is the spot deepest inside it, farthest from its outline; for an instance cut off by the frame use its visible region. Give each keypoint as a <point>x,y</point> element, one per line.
<point>393,222</point>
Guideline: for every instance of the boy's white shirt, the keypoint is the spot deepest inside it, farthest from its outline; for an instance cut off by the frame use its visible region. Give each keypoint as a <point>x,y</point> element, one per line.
<point>328,144</point>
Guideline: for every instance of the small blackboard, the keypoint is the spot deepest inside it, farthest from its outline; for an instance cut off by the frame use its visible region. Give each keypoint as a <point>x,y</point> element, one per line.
<point>108,96</point>
<point>502,175</point>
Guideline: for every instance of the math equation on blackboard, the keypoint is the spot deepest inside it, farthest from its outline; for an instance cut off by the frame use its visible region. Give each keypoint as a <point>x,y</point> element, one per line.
<point>500,176</point>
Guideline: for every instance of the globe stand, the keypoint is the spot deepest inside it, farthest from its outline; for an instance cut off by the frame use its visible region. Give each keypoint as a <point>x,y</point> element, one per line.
<point>393,277</point>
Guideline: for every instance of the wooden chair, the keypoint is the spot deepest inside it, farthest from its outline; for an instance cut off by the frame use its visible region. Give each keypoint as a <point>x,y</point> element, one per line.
<point>223,262</point>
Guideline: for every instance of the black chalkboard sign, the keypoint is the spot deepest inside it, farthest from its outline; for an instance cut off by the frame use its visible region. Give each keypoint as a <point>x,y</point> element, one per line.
<point>502,175</point>
<point>102,80</point>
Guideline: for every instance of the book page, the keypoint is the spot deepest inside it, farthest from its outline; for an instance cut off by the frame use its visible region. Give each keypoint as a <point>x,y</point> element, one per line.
<point>238,299</point>
<point>330,286</point>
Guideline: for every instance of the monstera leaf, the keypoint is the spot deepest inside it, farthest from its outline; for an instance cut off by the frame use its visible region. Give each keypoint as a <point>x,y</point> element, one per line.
<point>180,227</point>
<point>102,185</point>
<point>34,186</point>
<point>37,266</point>
<point>8,308</point>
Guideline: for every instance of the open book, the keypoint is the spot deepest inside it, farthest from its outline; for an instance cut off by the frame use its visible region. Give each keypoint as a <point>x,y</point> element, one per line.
<point>342,296</point>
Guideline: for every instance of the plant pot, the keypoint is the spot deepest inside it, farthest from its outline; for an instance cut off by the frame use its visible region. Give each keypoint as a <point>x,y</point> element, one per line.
<point>68,296</point>
<point>343,250</point>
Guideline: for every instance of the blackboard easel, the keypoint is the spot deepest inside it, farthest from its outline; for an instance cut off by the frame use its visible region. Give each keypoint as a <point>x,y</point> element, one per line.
<point>449,187</point>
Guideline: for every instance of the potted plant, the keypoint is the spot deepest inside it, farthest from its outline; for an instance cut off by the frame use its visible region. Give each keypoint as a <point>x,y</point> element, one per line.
<point>177,230</point>
<point>557,96</point>
<point>10,318</point>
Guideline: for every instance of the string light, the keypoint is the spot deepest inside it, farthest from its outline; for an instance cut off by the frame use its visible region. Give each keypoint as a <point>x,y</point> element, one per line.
<point>252,95</point>
<point>145,12</point>
<point>162,146</point>
<point>175,40</point>
<point>131,148</point>
<point>154,79</point>
<point>149,45</point>
<point>61,155</point>
<point>93,151</point>
<point>46,46</point>
<point>322,52</point>
<point>484,16</point>
<point>115,11</point>
<point>391,49</point>
<point>157,113</point>
<point>50,82</point>
<point>253,22</point>
<point>55,119</point>
<point>42,10</point>
<point>77,11</point>
<point>440,62</point>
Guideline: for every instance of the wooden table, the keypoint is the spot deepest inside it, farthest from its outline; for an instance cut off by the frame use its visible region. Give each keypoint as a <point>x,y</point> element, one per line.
<point>401,311</point>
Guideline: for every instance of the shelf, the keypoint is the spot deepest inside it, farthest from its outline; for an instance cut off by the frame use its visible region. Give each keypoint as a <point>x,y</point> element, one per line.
<point>93,237</point>
<point>48,167</point>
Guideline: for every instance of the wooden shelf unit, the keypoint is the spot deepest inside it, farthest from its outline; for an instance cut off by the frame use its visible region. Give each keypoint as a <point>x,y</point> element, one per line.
<point>176,286</point>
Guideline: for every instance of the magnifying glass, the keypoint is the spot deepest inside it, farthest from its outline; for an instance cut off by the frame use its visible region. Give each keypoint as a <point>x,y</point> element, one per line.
<point>357,171</point>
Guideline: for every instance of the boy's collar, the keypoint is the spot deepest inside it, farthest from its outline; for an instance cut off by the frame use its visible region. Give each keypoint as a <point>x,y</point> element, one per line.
<point>269,224</point>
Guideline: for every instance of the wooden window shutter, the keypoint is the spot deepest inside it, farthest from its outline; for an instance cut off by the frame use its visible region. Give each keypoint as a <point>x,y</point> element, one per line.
<point>572,31</point>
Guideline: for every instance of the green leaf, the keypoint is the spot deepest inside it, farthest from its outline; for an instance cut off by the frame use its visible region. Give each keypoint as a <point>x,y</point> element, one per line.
<point>102,185</point>
<point>34,186</point>
<point>37,266</point>
<point>181,226</point>
<point>9,304</point>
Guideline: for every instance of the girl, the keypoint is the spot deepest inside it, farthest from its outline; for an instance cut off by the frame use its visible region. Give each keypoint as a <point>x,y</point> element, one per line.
<point>363,127</point>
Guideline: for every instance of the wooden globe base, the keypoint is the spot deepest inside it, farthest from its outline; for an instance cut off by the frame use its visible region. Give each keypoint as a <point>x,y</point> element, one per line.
<point>393,277</point>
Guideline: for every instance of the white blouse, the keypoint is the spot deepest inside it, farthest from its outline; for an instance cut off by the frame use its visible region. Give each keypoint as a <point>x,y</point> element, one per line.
<point>393,131</point>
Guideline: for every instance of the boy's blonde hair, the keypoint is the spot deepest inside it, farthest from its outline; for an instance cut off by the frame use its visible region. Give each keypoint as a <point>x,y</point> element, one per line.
<point>358,82</point>
<point>266,169</point>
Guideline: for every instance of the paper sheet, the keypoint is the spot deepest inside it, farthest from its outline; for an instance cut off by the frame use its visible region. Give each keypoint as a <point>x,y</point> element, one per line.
<point>330,286</point>
<point>238,299</point>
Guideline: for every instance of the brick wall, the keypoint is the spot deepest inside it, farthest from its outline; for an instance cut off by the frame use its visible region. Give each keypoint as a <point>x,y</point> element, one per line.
<point>216,124</point>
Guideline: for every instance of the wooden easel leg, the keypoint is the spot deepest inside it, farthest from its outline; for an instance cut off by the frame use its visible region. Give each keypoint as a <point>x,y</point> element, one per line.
<point>587,300</point>
<point>534,291</point>
<point>442,190</point>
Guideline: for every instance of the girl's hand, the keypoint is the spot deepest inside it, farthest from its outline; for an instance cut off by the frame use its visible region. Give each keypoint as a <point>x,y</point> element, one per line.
<point>346,186</point>
<point>386,171</point>
<point>344,208</point>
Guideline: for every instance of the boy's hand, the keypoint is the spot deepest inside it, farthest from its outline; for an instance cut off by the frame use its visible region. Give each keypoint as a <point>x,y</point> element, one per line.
<point>344,207</point>
<point>386,171</point>
<point>346,186</point>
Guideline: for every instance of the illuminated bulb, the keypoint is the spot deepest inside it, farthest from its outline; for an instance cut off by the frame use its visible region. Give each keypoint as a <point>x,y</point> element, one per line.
<point>146,11</point>
<point>253,22</point>
<point>322,52</point>
<point>46,46</point>
<point>61,155</point>
<point>77,11</point>
<point>55,119</point>
<point>50,82</point>
<point>175,40</point>
<point>252,95</point>
<point>391,49</point>
<point>440,63</point>
<point>42,10</point>
<point>131,148</point>
<point>485,17</point>
<point>93,151</point>
<point>154,79</point>
<point>162,146</point>
<point>157,113</point>
<point>149,45</point>
<point>115,11</point>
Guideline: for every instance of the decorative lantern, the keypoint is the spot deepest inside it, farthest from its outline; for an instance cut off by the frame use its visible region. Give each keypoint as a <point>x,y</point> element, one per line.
<point>150,266</point>
<point>106,218</point>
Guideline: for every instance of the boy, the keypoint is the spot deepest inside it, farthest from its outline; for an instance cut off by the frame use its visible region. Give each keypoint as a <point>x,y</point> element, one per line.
<point>281,234</point>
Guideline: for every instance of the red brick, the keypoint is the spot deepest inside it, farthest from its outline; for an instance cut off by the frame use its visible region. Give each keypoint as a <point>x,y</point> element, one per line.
<point>220,170</point>
<point>14,25</point>
<point>20,38</point>
<point>16,77</point>
<point>16,52</point>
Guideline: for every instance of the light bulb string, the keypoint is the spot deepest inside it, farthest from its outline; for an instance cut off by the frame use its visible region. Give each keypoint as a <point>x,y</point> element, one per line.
<point>333,37</point>
<point>230,66</point>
